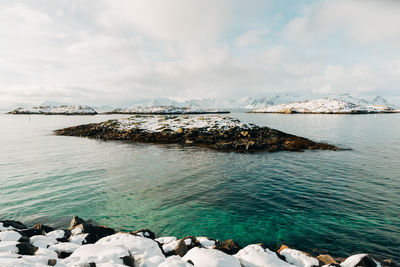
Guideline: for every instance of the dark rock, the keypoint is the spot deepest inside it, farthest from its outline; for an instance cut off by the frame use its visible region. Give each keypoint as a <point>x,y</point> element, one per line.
<point>75,221</point>
<point>388,263</point>
<point>282,248</point>
<point>326,259</point>
<point>26,248</point>
<point>23,239</point>
<point>280,256</point>
<point>146,233</point>
<point>366,261</point>
<point>45,228</point>
<point>193,242</point>
<point>128,260</point>
<point>181,249</point>
<point>31,232</point>
<point>14,224</point>
<point>63,254</point>
<point>228,246</point>
<point>95,232</point>
<point>67,234</point>
<point>52,262</point>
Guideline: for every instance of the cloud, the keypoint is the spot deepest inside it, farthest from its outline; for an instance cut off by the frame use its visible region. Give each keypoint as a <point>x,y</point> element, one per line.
<point>112,52</point>
<point>251,37</point>
<point>174,20</point>
<point>366,21</point>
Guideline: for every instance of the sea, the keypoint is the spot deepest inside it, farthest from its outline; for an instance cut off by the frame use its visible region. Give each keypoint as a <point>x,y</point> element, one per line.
<point>337,202</point>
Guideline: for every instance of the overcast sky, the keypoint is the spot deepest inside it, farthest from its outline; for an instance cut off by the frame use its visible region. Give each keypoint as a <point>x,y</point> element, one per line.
<point>114,51</point>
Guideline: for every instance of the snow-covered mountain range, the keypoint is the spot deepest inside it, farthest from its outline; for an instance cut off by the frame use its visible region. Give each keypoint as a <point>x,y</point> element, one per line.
<point>327,106</point>
<point>246,103</point>
<point>251,103</point>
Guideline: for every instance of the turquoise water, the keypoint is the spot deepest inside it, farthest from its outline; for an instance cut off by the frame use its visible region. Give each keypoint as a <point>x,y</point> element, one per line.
<point>342,202</point>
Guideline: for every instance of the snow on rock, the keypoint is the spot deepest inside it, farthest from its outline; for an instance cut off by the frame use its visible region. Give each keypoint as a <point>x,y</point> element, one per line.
<point>176,123</point>
<point>78,239</point>
<point>298,258</point>
<point>56,234</point>
<point>324,105</point>
<point>42,241</point>
<point>14,260</point>
<point>175,261</point>
<point>167,110</point>
<point>9,246</point>
<point>205,242</point>
<point>188,241</point>
<point>61,110</point>
<point>10,236</point>
<point>143,250</point>
<point>256,256</point>
<point>48,253</point>
<point>76,231</point>
<point>355,260</point>
<point>64,247</point>
<point>166,239</point>
<point>202,257</point>
<point>2,227</point>
<point>170,246</point>
<point>96,253</point>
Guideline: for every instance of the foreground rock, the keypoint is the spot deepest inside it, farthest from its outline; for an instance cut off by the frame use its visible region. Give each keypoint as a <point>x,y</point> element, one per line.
<point>139,248</point>
<point>61,110</point>
<point>325,106</point>
<point>215,132</point>
<point>166,110</point>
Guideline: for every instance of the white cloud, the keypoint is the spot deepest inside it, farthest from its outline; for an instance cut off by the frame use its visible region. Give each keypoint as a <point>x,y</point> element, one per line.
<point>116,51</point>
<point>251,37</point>
<point>174,20</point>
<point>367,21</point>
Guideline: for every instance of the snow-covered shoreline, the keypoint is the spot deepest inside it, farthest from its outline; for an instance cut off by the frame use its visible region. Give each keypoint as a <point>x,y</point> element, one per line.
<point>325,106</point>
<point>56,110</point>
<point>85,244</point>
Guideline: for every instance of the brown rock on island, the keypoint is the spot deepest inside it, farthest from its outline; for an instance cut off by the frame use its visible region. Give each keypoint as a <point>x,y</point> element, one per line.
<point>214,132</point>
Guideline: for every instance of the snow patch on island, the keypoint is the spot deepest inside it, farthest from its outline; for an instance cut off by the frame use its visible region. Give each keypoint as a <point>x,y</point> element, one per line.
<point>167,110</point>
<point>175,123</point>
<point>60,110</point>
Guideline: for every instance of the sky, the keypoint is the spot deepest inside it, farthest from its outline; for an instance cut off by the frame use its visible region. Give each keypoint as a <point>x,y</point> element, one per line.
<point>118,51</point>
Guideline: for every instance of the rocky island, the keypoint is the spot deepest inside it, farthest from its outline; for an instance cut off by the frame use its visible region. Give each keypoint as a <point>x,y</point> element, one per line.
<point>214,132</point>
<point>56,110</point>
<point>87,244</point>
<point>325,106</point>
<point>166,110</point>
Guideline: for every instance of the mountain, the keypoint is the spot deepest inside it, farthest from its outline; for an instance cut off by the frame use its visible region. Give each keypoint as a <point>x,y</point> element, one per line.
<point>325,105</point>
<point>162,102</point>
<point>380,101</point>
<point>48,103</point>
<point>264,101</point>
<point>362,101</point>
